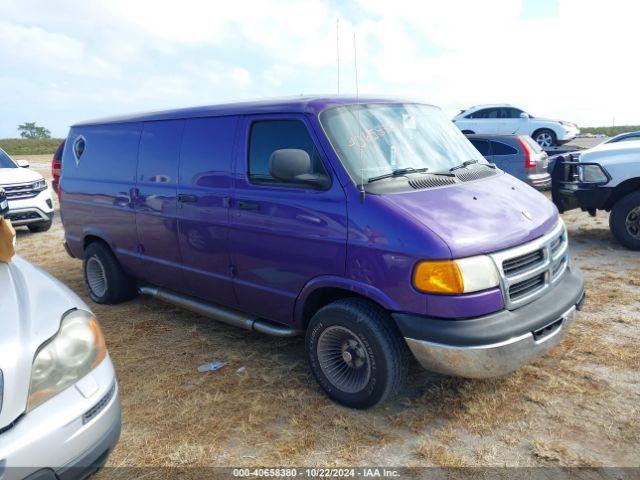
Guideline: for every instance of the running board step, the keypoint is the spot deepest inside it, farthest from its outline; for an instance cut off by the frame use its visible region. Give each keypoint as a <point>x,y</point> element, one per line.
<point>221,314</point>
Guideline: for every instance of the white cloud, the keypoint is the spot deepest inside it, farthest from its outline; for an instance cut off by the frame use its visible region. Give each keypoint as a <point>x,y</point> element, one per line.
<point>94,58</point>
<point>241,76</point>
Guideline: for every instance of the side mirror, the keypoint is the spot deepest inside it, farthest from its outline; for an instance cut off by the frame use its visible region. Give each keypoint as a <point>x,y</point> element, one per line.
<point>524,115</point>
<point>294,165</point>
<point>23,163</point>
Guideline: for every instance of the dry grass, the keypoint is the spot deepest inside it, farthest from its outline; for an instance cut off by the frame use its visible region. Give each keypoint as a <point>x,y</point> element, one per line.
<point>576,406</point>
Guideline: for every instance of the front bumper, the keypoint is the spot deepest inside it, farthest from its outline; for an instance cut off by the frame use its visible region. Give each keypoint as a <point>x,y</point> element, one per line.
<point>31,210</point>
<point>68,436</point>
<point>568,134</point>
<point>496,344</point>
<point>568,192</point>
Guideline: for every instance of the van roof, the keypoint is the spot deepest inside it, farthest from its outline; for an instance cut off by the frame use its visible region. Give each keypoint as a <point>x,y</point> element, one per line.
<point>301,104</point>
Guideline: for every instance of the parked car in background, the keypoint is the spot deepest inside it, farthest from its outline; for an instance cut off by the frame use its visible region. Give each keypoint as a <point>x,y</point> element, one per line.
<point>30,202</point>
<point>56,167</point>
<point>59,406</point>
<point>518,155</point>
<point>371,225</point>
<point>606,177</point>
<point>505,118</point>
<point>624,137</point>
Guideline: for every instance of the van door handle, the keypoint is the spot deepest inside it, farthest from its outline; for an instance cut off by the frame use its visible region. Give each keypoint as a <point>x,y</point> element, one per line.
<point>242,205</point>
<point>187,198</point>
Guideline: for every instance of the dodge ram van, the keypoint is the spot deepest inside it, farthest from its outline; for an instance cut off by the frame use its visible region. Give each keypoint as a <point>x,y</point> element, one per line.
<point>372,226</point>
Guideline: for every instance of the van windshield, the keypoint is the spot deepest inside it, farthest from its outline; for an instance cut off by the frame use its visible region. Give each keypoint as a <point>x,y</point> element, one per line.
<point>5,160</point>
<point>378,139</point>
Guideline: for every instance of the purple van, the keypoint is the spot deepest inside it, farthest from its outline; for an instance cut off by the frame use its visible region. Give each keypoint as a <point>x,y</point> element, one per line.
<point>372,226</point>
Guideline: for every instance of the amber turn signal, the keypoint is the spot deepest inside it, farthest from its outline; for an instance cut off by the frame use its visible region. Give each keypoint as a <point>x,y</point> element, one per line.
<point>440,276</point>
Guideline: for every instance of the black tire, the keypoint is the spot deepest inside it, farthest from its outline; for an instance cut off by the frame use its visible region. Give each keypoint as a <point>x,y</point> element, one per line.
<point>40,226</point>
<point>545,133</point>
<point>99,261</point>
<point>378,343</point>
<point>624,220</point>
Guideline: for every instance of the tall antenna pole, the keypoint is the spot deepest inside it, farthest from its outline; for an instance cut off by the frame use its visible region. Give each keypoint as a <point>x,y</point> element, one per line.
<point>355,68</point>
<point>338,51</point>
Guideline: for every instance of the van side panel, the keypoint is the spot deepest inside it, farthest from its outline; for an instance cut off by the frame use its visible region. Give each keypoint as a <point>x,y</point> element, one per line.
<point>156,203</point>
<point>203,217</point>
<point>98,189</point>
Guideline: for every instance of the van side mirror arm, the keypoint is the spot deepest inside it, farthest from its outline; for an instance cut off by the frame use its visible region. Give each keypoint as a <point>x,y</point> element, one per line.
<point>316,180</point>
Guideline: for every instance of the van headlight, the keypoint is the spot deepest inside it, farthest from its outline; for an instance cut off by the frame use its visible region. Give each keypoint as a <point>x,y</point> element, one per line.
<point>77,348</point>
<point>465,275</point>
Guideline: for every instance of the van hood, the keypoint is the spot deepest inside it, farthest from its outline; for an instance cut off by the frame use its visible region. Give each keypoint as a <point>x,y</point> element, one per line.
<point>31,306</point>
<point>18,175</point>
<point>480,217</point>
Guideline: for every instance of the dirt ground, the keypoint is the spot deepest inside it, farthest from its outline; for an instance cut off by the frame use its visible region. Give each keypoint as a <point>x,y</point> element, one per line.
<point>578,406</point>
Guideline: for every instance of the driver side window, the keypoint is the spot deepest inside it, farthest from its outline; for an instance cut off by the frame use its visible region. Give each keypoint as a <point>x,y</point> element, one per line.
<point>267,136</point>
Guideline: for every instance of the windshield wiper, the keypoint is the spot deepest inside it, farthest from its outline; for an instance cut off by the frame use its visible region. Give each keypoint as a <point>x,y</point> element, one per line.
<point>397,173</point>
<point>464,164</point>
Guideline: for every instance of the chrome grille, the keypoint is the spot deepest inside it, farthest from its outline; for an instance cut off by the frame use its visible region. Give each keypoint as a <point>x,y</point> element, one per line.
<point>19,191</point>
<point>522,263</point>
<point>528,270</point>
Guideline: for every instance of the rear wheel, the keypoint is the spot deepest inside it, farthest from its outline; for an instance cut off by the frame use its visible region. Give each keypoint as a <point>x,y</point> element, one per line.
<point>624,220</point>
<point>105,279</point>
<point>545,138</point>
<point>356,353</point>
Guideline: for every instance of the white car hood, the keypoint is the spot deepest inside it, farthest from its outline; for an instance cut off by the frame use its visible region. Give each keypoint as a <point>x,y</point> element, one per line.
<point>31,306</point>
<point>18,175</point>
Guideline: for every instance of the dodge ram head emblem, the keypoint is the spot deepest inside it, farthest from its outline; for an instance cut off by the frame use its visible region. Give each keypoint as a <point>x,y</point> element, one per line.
<point>526,214</point>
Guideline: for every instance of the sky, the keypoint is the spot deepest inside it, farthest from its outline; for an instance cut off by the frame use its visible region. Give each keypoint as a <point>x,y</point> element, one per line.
<point>66,61</point>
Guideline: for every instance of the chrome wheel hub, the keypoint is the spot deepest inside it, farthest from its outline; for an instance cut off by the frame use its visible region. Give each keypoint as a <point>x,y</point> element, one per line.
<point>343,359</point>
<point>544,139</point>
<point>96,277</point>
<point>632,222</point>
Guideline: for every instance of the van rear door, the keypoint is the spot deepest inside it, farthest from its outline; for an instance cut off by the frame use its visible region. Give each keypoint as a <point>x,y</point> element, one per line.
<point>283,233</point>
<point>204,193</point>
<point>156,203</point>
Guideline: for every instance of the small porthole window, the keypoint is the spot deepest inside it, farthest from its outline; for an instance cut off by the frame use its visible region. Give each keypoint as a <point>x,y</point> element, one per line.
<point>78,148</point>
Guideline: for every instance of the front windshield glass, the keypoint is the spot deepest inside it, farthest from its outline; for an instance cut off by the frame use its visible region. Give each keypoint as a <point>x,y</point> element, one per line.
<point>377,139</point>
<point>5,160</point>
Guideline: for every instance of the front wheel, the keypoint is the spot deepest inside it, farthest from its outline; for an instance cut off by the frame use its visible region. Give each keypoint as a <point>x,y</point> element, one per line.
<point>356,353</point>
<point>624,220</point>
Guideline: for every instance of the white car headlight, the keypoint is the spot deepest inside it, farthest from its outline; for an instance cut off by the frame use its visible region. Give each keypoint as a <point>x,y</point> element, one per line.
<point>465,275</point>
<point>39,185</point>
<point>592,173</point>
<point>77,348</point>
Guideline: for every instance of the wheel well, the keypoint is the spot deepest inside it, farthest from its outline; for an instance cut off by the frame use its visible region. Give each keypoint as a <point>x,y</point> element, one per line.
<point>89,239</point>
<point>322,297</point>
<point>621,190</point>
